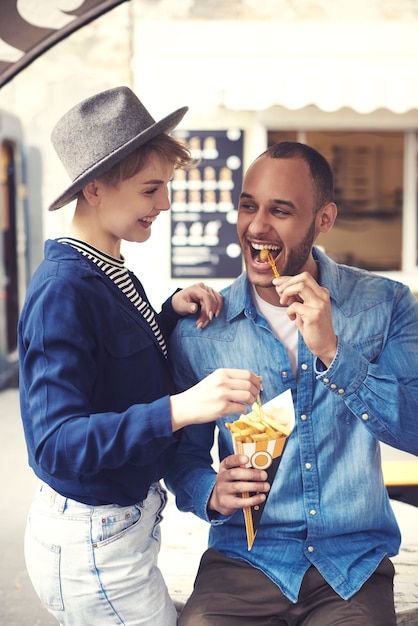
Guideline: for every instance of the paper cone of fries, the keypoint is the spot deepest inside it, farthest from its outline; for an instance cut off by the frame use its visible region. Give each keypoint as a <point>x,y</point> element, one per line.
<point>261,435</point>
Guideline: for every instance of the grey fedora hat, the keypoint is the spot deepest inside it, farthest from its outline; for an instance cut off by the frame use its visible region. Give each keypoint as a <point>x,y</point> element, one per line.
<point>100,131</point>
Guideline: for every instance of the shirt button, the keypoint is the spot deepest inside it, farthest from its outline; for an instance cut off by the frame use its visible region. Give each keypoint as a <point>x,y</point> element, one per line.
<point>333,386</point>
<point>308,465</point>
<point>304,366</point>
<point>312,512</point>
<point>365,417</point>
<point>303,417</point>
<point>341,391</point>
<point>284,374</point>
<point>311,548</point>
<point>326,380</point>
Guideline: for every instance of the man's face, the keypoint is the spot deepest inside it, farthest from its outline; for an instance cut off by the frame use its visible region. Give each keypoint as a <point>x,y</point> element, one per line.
<point>277,211</point>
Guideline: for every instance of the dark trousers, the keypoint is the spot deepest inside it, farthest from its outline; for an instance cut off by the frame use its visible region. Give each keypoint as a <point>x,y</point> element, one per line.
<point>229,592</point>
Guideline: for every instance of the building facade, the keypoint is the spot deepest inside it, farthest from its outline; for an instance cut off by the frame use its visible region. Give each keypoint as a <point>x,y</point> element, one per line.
<point>340,76</point>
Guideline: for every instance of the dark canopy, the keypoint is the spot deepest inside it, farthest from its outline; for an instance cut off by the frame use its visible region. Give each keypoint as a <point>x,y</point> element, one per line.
<point>29,30</point>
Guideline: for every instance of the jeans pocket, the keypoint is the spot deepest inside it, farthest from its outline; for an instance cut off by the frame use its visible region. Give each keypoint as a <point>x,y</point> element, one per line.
<point>114,523</point>
<point>43,564</point>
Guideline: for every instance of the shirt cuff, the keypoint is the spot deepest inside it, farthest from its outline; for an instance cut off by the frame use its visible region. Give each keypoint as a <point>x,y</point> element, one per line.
<point>346,372</point>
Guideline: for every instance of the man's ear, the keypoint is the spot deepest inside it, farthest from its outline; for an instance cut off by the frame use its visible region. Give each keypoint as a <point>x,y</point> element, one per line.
<point>91,193</point>
<point>326,217</point>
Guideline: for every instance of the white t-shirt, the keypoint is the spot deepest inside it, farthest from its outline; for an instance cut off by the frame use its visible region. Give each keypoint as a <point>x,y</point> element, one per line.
<point>282,327</point>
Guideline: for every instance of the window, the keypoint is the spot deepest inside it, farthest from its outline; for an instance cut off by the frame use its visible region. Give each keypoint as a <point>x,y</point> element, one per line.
<point>369,179</point>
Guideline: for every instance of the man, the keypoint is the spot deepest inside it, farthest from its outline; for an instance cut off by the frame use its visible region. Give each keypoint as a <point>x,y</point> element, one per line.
<point>345,343</point>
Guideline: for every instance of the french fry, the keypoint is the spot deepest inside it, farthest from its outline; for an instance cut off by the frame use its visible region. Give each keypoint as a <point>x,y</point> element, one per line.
<point>271,433</point>
<point>253,424</point>
<point>271,423</point>
<point>260,437</point>
<point>276,425</point>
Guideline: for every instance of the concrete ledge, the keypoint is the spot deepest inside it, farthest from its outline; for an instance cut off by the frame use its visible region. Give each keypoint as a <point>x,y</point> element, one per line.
<point>185,537</point>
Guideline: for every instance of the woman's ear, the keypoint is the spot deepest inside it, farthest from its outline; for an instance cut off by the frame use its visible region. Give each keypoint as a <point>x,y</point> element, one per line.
<point>91,193</point>
<point>326,217</point>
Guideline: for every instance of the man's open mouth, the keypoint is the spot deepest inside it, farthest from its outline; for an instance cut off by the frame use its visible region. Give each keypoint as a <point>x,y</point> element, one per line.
<point>256,248</point>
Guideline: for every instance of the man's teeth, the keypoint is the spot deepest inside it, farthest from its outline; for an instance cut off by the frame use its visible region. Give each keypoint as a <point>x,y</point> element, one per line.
<point>258,246</point>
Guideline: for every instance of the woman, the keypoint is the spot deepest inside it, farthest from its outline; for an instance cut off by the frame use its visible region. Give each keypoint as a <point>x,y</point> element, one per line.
<point>98,406</point>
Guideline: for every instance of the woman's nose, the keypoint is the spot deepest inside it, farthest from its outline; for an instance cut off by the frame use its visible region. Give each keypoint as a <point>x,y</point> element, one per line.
<point>163,200</point>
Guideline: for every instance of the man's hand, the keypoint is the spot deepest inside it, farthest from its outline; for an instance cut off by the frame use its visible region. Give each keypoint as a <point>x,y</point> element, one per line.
<point>190,299</point>
<point>232,480</point>
<point>308,304</point>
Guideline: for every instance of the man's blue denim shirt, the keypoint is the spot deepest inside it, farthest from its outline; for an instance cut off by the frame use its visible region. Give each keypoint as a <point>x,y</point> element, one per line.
<point>328,505</point>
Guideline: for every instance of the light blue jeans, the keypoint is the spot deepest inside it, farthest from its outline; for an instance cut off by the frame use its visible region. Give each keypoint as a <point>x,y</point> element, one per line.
<point>97,565</point>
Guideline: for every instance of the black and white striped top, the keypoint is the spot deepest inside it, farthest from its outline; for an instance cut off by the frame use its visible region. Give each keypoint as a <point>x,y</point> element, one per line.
<point>115,269</point>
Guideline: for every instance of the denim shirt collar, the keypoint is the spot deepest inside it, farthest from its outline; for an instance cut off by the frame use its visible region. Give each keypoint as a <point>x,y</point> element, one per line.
<point>241,300</point>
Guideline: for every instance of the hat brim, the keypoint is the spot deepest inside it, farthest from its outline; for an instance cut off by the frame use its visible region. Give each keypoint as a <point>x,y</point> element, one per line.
<point>166,125</point>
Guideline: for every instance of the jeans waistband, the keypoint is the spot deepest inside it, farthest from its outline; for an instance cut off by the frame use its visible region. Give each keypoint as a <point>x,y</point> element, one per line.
<point>59,502</point>
<point>55,499</point>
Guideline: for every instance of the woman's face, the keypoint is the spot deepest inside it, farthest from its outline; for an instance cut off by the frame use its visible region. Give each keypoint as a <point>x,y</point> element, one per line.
<point>128,210</point>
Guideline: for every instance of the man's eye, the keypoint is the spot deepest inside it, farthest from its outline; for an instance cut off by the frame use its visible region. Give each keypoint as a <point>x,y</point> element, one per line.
<point>280,212</point>
<point>245,206</point>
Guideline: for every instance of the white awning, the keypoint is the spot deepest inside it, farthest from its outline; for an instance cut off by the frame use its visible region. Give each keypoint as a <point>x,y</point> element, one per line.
<point>257,65</point>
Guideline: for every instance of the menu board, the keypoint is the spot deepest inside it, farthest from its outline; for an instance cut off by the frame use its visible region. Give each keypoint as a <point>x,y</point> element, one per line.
<point>204,206</point>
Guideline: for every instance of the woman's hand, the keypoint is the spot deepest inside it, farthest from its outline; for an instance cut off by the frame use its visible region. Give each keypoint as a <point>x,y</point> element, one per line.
<point>223,392</point>
<point>195,297</point>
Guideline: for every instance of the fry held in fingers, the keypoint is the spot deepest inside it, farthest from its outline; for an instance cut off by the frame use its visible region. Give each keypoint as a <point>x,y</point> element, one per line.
<point>224,391</point>
<point>265,255</point>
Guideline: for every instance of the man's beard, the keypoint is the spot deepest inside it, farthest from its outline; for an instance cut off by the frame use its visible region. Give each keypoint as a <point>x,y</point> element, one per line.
<point>299,255</point>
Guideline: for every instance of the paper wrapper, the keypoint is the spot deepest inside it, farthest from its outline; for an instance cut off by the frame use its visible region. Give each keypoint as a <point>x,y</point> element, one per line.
<point>265,455</point>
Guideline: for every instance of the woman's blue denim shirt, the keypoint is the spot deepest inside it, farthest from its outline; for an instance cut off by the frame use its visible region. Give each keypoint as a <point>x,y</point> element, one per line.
<point>94,383</point>
<point>328,505</point>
